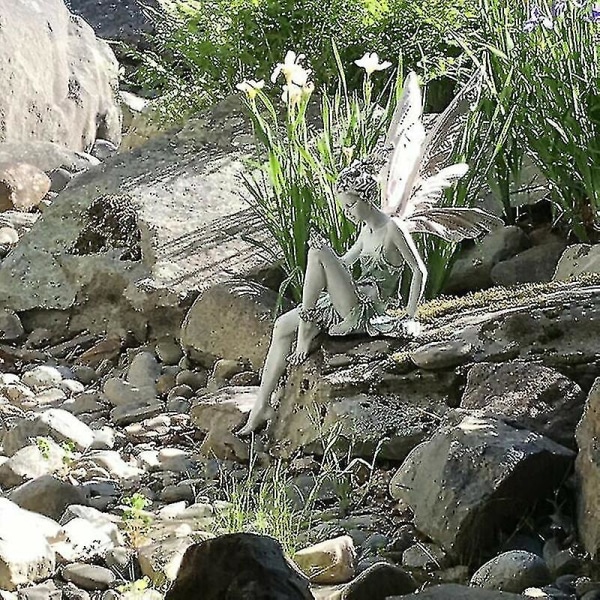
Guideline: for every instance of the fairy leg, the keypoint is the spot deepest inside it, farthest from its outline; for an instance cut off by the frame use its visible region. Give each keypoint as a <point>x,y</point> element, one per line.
<point>275,363</point>
<point>324,273</point>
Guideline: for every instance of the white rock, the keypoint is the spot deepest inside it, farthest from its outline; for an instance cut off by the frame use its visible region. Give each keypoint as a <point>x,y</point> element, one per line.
<point>43,376</point>
<point>25,552</point>
<point>331,561</point>
<point>8,235</point>
<point>71,387</point>
<point>35,460</point>
<point>172,511</point>
<point>104,439</point>
<point>87,540</point>
<point>114,464</point>
<point>8,379</point>
<point>198,510</point>
<point>148,460</point>
<point>55,423</point>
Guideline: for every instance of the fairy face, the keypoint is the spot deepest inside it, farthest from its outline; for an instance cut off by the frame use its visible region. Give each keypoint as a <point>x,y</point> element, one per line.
<point>354,207</point>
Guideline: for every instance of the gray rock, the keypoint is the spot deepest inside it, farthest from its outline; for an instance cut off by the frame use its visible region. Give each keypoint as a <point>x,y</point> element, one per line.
<point>46,156</point>
<point>134,413</point>
<point>578,259</point>
<point>59,179</point>
<point>169,351</point>
<point>143,371</point>
<point>424,556</point>
<point>43,591</point>
<point>527,395</point>
<point>123,393</point>
<point>47,91</point>
<point>363,406</point>
<point>110,262</point>
<point>587,472</point>
<point>103,149</point>
<point>88,577</point>
<point>470,481</point>
<point>124,21</point>
<point>258,562</point>
<point>472,269</point>
<point>453,591</point>
<point>22,186</point>
<point>55,423</point>
<point>11,328</point>
<point>557,327</point>
<point>512,571</point>
<point>530,266</point>
<point>209,332</point>
<point>48,496</point>
<point>379,582</point>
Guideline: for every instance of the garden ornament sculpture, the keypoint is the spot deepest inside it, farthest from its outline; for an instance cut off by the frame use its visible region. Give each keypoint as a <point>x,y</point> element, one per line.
<point>408,171</point>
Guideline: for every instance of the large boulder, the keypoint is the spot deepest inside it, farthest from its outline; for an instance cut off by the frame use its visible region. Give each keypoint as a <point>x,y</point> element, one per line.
<point>472,269</point>
<point>578,259</point>
<point>556,325</point>
<point>587,467</point>
<point>527,395</point>
<point>58,82</point>
<point>349,393</point>
<point>473,480</point>
<point>231,320</point>
<point>238,565</point>
<point>99,259</point>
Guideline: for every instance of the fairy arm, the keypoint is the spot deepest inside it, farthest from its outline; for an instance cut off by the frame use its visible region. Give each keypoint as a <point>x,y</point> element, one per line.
<point>406,246</point>
<point>353,254</point>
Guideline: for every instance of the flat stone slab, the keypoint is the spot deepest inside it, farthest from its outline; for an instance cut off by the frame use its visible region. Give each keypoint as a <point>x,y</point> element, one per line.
<point>195,227</point>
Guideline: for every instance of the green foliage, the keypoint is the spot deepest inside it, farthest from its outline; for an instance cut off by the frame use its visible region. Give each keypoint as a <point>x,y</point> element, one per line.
<point>546,76</point>
<point>136,520</point>
<point>44,447</point>
<point>293,188</point>
<point>261,504</point>
<point>203,48</point>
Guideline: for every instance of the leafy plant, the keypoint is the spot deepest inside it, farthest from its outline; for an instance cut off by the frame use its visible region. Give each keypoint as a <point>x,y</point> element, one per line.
<point>202,48</point>
<point>293,189</point>
<point>261,504</point>
<point>44,447</point>
<point>136,520</point>
<point>542,62</point>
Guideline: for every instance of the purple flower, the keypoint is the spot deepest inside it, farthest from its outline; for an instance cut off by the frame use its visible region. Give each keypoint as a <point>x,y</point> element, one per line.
<point>595,15</point>
<point>559,7</point>
<point>537,17</point>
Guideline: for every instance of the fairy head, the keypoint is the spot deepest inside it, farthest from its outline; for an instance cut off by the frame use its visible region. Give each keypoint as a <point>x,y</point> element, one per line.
<point>358,185</point>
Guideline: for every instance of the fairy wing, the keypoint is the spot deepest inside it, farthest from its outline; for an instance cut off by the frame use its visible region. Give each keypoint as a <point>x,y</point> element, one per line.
<point>403,141</point>
<point>453,224</point>
<point>433,171</point>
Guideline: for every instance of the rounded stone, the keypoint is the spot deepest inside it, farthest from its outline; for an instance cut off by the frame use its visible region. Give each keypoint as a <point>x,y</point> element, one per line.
<point>512,571</point>
<point>43,376</point>
<point>88,577</point>
<point>8,235</point>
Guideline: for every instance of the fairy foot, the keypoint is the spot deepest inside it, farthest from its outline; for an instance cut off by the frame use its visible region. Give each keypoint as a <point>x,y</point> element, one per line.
<point>411,328</point>
<point>257,420</point>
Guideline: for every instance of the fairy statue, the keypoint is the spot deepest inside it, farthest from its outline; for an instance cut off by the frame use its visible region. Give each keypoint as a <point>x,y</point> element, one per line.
<point>408,172</point>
